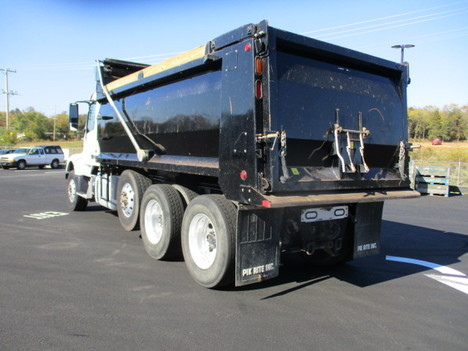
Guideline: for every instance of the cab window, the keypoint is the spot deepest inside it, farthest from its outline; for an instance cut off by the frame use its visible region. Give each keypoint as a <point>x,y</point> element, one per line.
<point>90,122</point>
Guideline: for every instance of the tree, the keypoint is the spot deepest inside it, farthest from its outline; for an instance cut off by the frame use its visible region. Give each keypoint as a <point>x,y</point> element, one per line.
<point>7,138</point>
<point>434,123</point>
<point>32,125</point>
<point>417,123</point>
<point>453,124</point>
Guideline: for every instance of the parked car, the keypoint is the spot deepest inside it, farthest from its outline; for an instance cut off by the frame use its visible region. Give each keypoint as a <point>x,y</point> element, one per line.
<point>39,156</point>
<point>437,141</point>
<point>6,151</point>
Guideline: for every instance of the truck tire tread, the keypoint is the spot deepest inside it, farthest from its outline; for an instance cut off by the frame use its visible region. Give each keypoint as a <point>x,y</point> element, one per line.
<point>168,246</point>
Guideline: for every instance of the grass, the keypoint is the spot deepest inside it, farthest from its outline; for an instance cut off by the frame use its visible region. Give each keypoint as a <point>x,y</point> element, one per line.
<point>64,144</point>
<point>447,152</point>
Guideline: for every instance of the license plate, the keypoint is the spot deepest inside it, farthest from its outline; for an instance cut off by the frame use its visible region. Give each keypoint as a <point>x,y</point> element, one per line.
<point>324,214</point>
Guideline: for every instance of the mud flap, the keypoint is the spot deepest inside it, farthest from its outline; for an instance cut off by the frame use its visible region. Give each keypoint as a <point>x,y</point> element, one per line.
<point>368,220</point>
<point>257,246</point>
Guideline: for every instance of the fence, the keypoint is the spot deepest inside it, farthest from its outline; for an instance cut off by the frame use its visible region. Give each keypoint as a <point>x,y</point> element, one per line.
<point>458,172</point>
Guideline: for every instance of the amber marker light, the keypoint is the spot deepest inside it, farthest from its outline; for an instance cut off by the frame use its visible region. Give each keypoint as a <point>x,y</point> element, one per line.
<point>258,66</point>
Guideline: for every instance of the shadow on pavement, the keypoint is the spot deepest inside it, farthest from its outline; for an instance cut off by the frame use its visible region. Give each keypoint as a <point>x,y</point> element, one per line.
<point>398,239</point>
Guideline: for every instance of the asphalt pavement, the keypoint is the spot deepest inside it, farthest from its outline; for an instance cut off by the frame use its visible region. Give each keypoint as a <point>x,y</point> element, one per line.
<point>78,281</point>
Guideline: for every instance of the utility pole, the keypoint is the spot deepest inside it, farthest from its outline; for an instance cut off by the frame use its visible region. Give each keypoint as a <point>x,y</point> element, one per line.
<point>55,120</point>
<point>7,94</point>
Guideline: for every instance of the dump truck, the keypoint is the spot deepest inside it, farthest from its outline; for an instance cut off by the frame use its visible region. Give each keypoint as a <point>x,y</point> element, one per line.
<point>260,144</point>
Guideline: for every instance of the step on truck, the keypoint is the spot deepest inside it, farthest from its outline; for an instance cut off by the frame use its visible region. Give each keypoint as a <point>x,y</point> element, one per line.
<point>259,144</point>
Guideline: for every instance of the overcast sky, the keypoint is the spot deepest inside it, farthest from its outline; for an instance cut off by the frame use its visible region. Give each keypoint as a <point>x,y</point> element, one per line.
<point>53,44</point>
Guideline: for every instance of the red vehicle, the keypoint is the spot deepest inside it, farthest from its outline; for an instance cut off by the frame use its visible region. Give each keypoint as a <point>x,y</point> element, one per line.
<point>437,142</point>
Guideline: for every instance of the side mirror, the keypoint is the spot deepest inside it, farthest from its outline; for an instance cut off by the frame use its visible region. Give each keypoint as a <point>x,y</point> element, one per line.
<point>73,117</point>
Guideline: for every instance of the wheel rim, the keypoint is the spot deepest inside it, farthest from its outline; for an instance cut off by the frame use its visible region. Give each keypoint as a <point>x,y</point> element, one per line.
<point>154,221</point>
<point>127,200</point>
<point>72,191</point>
<point>202,241</point>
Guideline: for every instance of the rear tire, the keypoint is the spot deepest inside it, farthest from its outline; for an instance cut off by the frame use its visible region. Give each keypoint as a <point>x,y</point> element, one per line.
<point>208,240</point>
<point>75,201</point>
<point>130,190</point>
<point>187,194</point>
<point>161,215</point>
<point>54,164</point>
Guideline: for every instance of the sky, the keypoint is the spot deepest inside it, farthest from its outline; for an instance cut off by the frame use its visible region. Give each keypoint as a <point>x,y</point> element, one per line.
<point>52,45</point>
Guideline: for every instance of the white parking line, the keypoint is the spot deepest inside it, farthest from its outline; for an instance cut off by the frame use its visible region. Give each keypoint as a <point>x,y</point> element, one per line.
<point>455,279</point>
<point>44,215</point>
<point>459,283</point>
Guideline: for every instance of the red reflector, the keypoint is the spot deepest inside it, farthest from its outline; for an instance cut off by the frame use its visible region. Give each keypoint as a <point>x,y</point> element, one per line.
<point>247,47</point>
<point>243,175</point>
<point>258,89</point>
<point>266,203</point>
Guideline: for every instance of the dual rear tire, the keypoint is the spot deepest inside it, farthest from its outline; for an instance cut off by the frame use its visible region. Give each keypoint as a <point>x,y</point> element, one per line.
<point>161,215</point>
<point>208,234</point>
<point>204,233</point>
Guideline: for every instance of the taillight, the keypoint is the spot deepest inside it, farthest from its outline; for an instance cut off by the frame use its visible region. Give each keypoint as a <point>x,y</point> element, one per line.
<point>258,89</point>
<point>243,175</point>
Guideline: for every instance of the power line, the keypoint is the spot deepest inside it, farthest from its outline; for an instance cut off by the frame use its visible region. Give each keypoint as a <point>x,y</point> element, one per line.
<point>7,94</point>
<point>427,38</point>
<point>393,24</point>
<point>382,18</point>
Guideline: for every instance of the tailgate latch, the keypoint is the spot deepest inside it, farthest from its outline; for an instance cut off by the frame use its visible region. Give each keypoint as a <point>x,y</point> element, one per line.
<point>352,137</point>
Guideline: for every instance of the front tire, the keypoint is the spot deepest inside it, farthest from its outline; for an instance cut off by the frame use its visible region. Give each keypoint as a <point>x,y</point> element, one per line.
<point>130,190</point>
<point>161,215</point>
<point>21,165</point>
<point>75,201</point>
<point>208,235</point>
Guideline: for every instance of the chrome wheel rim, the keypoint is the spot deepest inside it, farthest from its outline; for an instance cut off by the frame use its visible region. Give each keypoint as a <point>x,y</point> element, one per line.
<point>154,221</point>
<point>72,191</point>
<point>127,200</point>
<point>202,241</point>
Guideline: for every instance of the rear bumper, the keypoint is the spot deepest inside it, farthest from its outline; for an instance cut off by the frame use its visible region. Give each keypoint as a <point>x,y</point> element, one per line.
<point>276,201</point>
